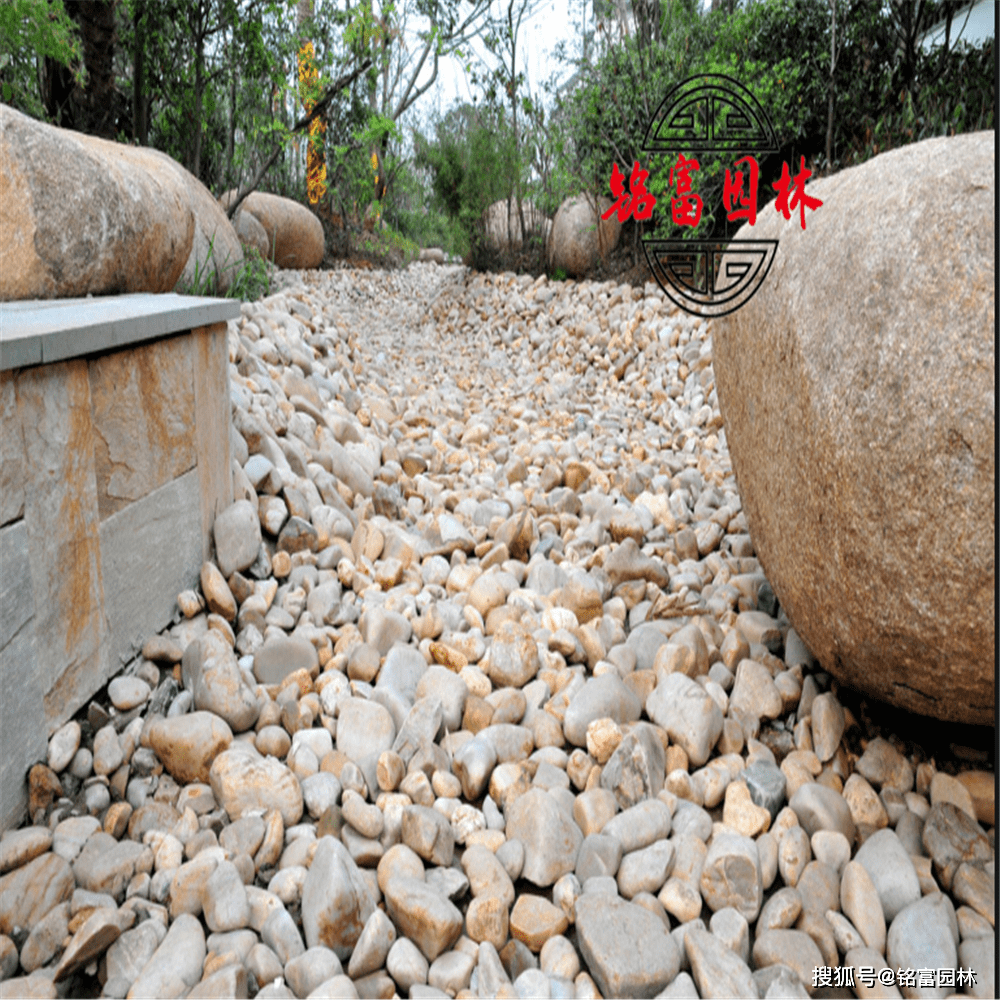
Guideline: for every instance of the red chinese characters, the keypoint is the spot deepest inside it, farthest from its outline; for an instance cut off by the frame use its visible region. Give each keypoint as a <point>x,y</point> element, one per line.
<point>685,209</point>
<point>734,190</point>
<point>799,198</point>
<point>638,202</point>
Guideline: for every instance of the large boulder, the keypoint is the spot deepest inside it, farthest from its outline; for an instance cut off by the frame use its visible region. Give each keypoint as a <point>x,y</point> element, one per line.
<point>83,215</point>
<point>579,238</point>
<point>857,388</point>
<point>295,235</point>
<point>251,233</point>
<point>503,233</point>
<point>216,251</point>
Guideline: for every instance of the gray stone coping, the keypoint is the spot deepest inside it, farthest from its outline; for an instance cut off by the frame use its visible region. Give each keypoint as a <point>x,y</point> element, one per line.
<point>44,331</point>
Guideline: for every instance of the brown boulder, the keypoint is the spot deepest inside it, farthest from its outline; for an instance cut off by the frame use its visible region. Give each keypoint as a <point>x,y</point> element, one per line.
<point>857,389</point>
<point>251,233</point>
<point>434,255</point>
<point>216,252</point>
<point>83,215</point>
<point>294,234</point>
<point>503,236</point>
<point>579,238</point>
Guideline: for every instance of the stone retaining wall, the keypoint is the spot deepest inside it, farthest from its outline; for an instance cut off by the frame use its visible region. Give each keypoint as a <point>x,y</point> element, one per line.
<point>115,461</point>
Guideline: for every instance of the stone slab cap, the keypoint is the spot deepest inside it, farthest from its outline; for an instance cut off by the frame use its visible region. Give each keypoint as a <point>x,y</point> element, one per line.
<point>44,331</point>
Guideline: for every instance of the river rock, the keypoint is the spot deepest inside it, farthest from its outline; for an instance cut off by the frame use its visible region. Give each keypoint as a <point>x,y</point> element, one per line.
<point>551,839</point>
<point>888,865</point>
<point>29,892</point>
<point>717,971</point>
<point>211,672</point>
<point>604,697</point>
<point>187,744</point>
<point>688,713</point>
<point>237,537</point>
<point>626,948</point>
<point>243,781</point>
<point>731,875</point>
<point>336,901</point>
<point>924,935</point>
<point>428,919</point>
<point>179,959</point>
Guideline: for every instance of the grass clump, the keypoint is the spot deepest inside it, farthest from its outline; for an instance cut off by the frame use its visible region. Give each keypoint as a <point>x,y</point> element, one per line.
<point>248,282</point>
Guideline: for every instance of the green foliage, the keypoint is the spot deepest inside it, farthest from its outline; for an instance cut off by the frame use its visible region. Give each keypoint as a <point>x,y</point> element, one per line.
<point>31,31</point>
<point>473,162</point>
<point>386,248</point>
<point>886,94</point>
<point>432,228</point>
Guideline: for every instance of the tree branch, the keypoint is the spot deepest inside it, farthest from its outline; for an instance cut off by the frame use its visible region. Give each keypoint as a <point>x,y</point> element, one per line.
<point>301,125</point>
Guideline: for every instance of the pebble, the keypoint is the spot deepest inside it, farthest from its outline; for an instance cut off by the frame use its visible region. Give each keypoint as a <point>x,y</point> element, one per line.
<point>731,875</point>
<point>487,693</point>
<point>821,808</point>
<point>716,969</point>
<point>792,948</point>
<point>534,920</point>
<point>550,837</point>
<point>885,767</point>
<point>627,949</point>
<point>924,934</point>
<point>243,781</point>
<point>891,871</point>
<point>861,904</point>
<point>690,716</point>
<point>63,746</point>
<point>950,836</point>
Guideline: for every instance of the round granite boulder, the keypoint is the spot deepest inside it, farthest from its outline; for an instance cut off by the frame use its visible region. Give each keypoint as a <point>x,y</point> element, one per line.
<point>294,234</point>
<point>579,239</point>
<point>857,389</point>
<point>83,215</point>
<point>251,233</point>
<point>504,233</point>
<point>216,255</point>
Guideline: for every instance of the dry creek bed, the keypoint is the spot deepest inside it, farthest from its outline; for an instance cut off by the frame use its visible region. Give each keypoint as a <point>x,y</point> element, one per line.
<point>485,694</point>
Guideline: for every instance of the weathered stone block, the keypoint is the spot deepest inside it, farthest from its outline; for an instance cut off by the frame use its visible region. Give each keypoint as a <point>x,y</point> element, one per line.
<point>143,411</point>
<point>149,551</point>
<point>11,453</point>
<point>61,516</point>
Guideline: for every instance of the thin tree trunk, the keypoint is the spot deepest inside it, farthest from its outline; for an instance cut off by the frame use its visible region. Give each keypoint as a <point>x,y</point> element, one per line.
<point>140,118</point>
<point>231,123</point>
<point>830,100</point>
<point>199,86</point>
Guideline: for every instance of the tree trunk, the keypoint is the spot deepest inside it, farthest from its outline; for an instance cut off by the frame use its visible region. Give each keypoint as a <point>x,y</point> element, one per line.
<point>513,29</point>
<point>140,105</point>
<point>231,127</point>
<point>199,87</point>
<point>95,102</point>
<point>57,93</point>
<point>830,100</point>
<point>315,167</point>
